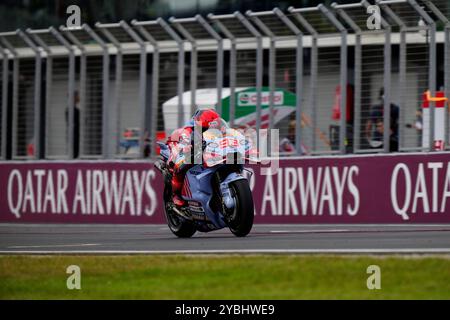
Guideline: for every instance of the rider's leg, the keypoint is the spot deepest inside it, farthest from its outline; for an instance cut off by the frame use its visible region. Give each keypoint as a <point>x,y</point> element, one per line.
<point>177,186</point>
<point>177,182</point>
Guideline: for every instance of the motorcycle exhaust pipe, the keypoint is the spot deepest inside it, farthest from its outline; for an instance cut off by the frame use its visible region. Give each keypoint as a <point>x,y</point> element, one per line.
<point>181,213</point>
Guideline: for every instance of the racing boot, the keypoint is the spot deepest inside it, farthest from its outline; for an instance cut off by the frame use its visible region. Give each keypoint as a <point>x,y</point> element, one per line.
<point>178,201</point>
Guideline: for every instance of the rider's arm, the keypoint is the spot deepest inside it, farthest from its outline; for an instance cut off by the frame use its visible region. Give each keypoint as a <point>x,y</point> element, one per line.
<point>183,148</point>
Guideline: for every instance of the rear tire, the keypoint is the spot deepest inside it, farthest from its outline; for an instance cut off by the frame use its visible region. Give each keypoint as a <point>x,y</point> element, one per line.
<point>180,227</point>
<point>243,214</point>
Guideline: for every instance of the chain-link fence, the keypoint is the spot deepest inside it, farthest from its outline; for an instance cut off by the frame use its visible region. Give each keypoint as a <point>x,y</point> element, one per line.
<point>364,77</point>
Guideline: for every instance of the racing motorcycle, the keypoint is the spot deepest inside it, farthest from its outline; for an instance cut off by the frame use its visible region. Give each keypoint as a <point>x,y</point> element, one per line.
<point>217,192</point>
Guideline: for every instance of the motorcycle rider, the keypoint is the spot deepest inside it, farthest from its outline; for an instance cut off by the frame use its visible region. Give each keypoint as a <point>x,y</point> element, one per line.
<point>181,143</point>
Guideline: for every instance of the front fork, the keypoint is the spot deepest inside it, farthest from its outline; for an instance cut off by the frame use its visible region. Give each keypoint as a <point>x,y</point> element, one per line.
<point>221,191</point>
<point>227,198</point>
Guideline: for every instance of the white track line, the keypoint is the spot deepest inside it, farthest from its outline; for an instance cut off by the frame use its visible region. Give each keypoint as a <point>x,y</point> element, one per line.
<point>311,231</point>
<point>56,246</point>
<point>238,251</point>
<point>272,225</point>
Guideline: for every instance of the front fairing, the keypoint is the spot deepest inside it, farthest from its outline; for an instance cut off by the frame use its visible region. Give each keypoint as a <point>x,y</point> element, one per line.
<point>199,182</point>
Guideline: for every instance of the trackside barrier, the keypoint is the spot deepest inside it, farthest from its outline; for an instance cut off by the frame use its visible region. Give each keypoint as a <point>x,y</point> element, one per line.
<point>409,188</point>
<point>107,91</point>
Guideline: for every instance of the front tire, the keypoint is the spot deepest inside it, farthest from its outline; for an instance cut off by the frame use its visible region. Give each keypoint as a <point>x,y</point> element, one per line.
<point>241,219</point>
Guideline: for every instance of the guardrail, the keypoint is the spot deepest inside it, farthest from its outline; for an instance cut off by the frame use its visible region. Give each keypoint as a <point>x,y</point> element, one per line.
<point>108,91</point>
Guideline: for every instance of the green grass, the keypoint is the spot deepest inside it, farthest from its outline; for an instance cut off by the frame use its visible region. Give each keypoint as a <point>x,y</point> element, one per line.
<point>224,277</point>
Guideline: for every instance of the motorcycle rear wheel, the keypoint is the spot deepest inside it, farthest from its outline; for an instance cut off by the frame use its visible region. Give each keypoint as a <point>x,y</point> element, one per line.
<point>180,227</point>
<point>241,219</point>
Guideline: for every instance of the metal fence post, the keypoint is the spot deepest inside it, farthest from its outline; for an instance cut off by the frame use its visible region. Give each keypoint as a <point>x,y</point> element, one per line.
<point>194,58</point>
<point>220,59</point>
<point>5,79</point>
<point>402,82</point>
<point>71,85</point>
<point>387,91</point>
<point>118,77</point>
<point>343,80</point>
<point>402,72</point>
<point>82,84</point>
<point>15,92</point>
<point>447,78</point>
<point>357,75</point>
<point>15,101</point>
<point>357,70</point>
<point>142,84</point>
<point>340,10</point>
<point>155,82</point>
<point>106,150</point>
<point>48,71</point>
<point>155,90</point>
<point>272,59</point>
<point>432,67</point>
<point>193,76</point>
<point>431,28</point>
<point>313,66</point>
<point>272,71</point>
<point>432,82</point>
<point>259,67</point>
<point>445,20</point>
<point>180,87</point>
<point>233,64</point>
<point>298,78</point>
<point>37,94</point>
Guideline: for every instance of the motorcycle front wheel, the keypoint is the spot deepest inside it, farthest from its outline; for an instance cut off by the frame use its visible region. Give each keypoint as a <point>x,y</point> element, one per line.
<point>241,217</point>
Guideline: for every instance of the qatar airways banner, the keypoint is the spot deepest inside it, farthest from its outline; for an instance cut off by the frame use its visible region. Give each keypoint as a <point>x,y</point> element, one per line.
<point>360,189</point>
<point>102,192</point>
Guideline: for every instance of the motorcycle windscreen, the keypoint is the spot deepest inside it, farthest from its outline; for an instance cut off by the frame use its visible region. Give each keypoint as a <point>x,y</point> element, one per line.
<point>228,146</point>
